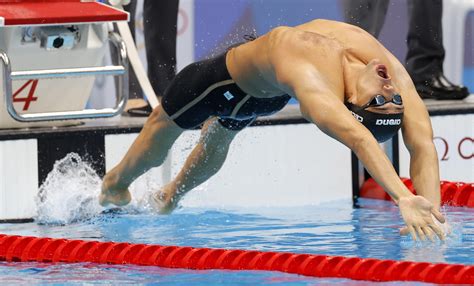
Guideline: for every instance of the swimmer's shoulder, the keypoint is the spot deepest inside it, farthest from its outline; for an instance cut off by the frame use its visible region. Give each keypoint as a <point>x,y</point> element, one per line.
<point>286,37</point>
<point>285,34</point>
<point>319,25</point>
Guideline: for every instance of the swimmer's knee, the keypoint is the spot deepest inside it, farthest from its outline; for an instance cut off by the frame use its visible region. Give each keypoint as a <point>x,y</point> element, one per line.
<point>158,114</point>
<point>159,118</point>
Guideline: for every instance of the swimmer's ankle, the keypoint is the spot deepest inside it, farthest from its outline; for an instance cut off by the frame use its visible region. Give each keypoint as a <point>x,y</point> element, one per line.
<point>112,193</point>
<point>111,183</point>
<point>163,203</point>
<point>168,191</point>
<point>166,199</point>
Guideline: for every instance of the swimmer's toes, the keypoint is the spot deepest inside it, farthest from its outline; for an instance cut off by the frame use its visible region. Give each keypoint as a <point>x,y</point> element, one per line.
<point>159,204</point>
<point>103,200</point>
<point>118,200</point>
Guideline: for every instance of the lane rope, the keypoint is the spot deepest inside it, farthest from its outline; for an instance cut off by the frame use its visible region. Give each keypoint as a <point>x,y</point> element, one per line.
<point>452,194</point>
<point>22,249</point>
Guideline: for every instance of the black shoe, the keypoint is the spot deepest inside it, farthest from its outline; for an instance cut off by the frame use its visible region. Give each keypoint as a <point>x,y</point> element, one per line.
<point>439,87</point>
<point>143,111</point>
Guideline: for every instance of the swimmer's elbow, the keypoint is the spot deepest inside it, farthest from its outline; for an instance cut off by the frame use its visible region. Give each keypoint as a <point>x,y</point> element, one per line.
<point>305,113</point>
<point>360,143</point>
<point>419,138</point>
<point>352,137</point>
<point>315,117</point>
<point>421,146</point>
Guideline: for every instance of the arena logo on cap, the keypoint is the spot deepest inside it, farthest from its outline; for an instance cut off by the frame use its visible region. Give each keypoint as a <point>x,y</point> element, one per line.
<point>358,117</point>
<point>390,122</point>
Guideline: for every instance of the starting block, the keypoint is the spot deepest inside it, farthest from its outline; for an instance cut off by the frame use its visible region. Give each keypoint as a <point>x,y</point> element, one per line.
<point>50,53</point>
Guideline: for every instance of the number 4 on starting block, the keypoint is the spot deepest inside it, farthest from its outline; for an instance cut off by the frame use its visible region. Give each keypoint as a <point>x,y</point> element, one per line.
<point>31,93</point>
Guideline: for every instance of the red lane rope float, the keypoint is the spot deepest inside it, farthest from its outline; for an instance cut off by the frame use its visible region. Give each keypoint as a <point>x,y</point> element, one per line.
<point>22,249</point>
<point>452,194</point>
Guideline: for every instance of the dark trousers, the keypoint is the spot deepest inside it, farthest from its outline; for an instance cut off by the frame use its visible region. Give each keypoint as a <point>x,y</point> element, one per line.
<point>426,53</point>
<point>160,19</point>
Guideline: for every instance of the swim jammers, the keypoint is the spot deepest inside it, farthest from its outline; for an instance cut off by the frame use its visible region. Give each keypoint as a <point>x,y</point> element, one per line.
<point>205,89</point>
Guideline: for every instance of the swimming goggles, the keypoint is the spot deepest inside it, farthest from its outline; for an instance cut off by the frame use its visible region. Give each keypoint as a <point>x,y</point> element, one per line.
<point>380,100</point>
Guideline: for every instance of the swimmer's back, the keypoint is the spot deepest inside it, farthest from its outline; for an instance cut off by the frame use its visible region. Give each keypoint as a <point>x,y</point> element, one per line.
<point>250,66</point>
<point>259,67</point>
<point>352,38</point>
<point>256,66</point>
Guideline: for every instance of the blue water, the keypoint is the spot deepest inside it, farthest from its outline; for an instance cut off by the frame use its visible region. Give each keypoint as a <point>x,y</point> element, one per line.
<point>333,229</point>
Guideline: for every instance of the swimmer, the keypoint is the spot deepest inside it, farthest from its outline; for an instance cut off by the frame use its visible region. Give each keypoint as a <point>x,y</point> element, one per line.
<point>347,84</point>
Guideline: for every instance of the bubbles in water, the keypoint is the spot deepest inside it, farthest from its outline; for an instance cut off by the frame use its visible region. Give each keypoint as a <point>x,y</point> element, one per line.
<point>239,35</point>
<point>437,251</point>
<point>69,193</point>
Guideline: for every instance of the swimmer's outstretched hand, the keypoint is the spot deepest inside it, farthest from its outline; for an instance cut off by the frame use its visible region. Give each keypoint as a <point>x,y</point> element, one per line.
<point>117,197</point>
<point>418,213</point>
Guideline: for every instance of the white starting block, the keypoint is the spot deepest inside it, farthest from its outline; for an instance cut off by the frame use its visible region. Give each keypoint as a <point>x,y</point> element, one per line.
<point>50,53</point>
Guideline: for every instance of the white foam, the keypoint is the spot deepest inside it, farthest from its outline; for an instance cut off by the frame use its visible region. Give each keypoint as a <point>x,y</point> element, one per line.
<point>69,192</point>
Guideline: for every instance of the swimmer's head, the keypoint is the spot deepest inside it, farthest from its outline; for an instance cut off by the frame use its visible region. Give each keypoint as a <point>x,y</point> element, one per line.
<point>378,105</point>
<point>373,78</point>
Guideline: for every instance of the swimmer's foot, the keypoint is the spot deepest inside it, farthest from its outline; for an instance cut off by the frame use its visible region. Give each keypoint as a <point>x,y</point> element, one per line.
<point>163,201</point>
<point>109,196</point>
<point>119,199</point>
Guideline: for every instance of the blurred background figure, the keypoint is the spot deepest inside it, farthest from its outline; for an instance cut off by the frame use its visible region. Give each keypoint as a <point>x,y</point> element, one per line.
<point>425,56</point>
<point>160,31</point>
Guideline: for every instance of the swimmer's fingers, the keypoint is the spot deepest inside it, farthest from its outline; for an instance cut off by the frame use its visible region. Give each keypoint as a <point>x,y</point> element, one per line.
<point>409,230</point>
<point>436,213</point>
<point>429,233</point>
<point>420,233</point>
<point>437,230</point>
<point>404,231</point>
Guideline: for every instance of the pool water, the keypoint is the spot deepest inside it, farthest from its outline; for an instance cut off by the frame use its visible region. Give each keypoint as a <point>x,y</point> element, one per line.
<point>332,228</point>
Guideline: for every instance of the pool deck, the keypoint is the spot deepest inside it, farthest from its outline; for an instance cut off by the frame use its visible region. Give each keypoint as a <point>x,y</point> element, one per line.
<point>289,115</point>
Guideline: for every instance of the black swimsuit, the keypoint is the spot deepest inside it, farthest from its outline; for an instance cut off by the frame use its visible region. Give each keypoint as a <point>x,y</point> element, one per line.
<point>205,89</point>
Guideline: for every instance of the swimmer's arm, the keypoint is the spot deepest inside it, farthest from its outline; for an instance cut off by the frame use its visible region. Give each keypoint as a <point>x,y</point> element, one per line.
<point>418,137</point>
<point>325,109</point>
<point>320,89</point>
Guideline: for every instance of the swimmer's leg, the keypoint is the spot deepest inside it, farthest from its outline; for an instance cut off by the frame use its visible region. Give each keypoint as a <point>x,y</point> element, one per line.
<point>147,151</point>
<point>205,160</point>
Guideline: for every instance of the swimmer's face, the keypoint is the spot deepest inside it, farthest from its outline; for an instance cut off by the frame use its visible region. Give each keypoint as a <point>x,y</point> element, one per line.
<point>374,80</point>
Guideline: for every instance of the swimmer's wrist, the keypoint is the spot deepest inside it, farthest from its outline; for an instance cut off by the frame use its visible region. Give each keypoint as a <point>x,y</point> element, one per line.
<point>403,194</point>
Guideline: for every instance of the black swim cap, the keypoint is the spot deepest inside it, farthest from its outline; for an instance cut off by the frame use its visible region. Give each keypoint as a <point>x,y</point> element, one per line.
<point>382,126</point>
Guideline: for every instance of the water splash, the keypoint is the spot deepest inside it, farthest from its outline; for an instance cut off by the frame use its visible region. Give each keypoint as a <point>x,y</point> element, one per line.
<point>69,193</point>
<point>452,229</point>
